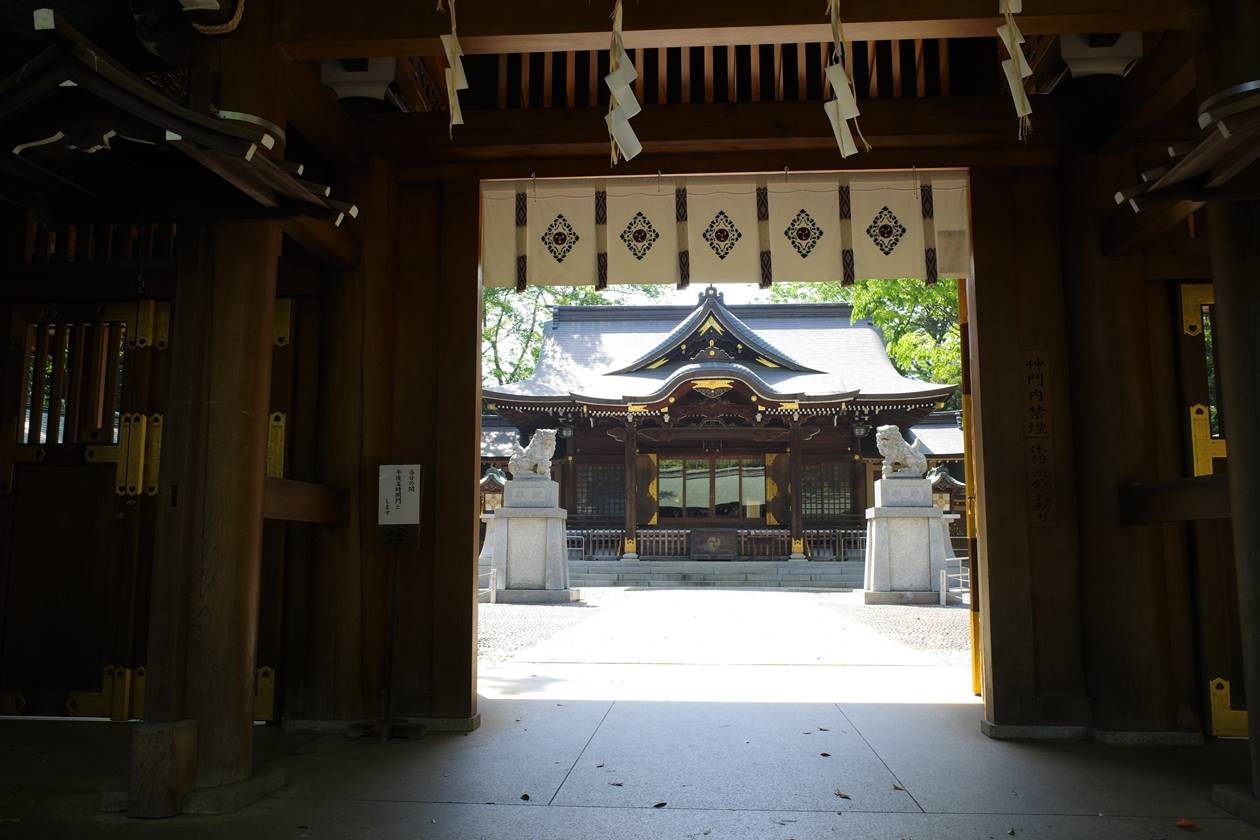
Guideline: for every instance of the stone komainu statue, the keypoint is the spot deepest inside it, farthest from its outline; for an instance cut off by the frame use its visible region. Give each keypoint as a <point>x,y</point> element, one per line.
<point>901,460</point>
<point>534,461</point>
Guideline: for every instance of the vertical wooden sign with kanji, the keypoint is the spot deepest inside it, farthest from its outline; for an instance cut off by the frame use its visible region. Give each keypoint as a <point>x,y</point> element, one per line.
<point>1038,440</point>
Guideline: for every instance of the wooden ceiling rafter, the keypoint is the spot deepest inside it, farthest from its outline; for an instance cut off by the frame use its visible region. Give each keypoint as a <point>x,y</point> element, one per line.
<point>313,29</point>
<point>745,72</point>
<point>966,122</point>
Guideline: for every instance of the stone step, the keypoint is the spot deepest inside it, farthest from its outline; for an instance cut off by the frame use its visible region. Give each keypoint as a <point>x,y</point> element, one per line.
<point>764,574</point>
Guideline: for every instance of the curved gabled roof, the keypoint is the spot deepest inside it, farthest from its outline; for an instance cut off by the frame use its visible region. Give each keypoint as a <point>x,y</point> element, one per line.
<point>589,352</point>
<point>717,370</point>
<point>713,305</point>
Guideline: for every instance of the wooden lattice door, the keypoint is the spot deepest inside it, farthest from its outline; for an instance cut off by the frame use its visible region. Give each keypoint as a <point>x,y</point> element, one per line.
<point>83,407</point>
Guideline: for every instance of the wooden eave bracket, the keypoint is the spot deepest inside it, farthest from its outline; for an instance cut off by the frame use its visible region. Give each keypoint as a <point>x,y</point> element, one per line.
<point>233,151</point>
<point>1204,170</point>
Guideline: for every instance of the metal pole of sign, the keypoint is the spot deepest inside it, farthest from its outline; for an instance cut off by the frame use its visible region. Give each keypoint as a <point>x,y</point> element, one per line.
<point>391,633</point>
<point>398,529</point>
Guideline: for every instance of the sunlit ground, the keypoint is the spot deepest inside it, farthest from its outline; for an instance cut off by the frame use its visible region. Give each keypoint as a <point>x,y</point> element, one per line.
<point>727,646</point>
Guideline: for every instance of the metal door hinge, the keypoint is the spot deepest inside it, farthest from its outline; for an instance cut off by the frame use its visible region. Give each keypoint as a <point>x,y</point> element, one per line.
<point>275,445</point>
<point>1195,296</point>
<point>282,330</point>
<point>1203,447</point>
<point>265,694</point>
<point>1226,720</point>
<point>127,455</point>
<point>153,325</point>
<point>112,701</point>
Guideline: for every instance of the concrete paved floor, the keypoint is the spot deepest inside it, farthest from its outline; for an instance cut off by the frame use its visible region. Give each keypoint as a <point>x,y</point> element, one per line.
<point>747,714</point>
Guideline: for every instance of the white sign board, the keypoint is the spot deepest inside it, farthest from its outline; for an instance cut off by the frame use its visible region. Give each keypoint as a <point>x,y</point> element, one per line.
<point>398,496</point>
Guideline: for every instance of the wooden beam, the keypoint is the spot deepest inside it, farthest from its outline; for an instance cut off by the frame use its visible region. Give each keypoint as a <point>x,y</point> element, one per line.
<point>317,115</point>
<point>570,75</point>
<point>1183,500</point>
<point>801,77</point>
<point>896,67</point>
<point>336,245</point>
<point>285,500</point>
<point>662,76</point>
<point>887,123</point>
<point>708,74</point>
<point>1127,231</point>
<point>501,90</point>
<point>686,74</point>
<point>754,63</point>
<point>872,66</point>
<point>312,29</point>
<point>548,62</point>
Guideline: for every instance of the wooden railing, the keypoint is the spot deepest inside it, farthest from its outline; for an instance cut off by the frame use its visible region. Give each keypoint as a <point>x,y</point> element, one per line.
<point>594,543</point>
<point>664,543</point>
<point>835,543</point>
<point>823,544</point>
<point>765,544</point>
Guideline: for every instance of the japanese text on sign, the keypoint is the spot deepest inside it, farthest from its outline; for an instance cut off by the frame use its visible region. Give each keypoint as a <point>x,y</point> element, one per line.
<point>398,498</point>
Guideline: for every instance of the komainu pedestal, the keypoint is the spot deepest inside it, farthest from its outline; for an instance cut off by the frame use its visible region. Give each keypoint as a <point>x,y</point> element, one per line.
<point>529,557</point>
<point>906,544</point>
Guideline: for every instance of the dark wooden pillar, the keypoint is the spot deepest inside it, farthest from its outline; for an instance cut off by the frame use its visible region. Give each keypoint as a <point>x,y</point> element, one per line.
<point>1227,58</point>
<point>795,455</point>
<point>207,571</point>
<point>223,597</point>
<point>1028,572</point>
<point>632,490</point>
<point>457,509</point>
<point>1234,232</point>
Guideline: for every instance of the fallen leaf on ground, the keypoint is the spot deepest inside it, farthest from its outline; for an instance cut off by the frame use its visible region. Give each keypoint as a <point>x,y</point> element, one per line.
<point>842,794</point>
<point>1187,824</point>
<point>823,729</point>
<point>525,797</point>
<point>617,784</point>
<point>825,755</point>
<point>897,786</point>
<point>659,805</point>
<point>601,764</point>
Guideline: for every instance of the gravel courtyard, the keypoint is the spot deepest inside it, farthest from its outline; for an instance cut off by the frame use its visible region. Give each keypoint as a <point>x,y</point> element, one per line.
<point>724,626</point>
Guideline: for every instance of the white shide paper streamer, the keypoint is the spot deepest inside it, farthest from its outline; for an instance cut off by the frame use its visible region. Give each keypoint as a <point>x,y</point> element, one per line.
<point>622,104</point>
<point>1016,67</point>
<point>844,106</point>
<point>455,79</point>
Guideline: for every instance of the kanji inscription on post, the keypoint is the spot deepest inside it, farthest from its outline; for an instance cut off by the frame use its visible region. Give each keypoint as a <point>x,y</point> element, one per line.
<point>1038,442</point>
<point>1035,376</point>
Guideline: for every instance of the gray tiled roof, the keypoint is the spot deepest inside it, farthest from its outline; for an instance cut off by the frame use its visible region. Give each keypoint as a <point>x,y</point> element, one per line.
<point>584,345</point>
<point>939,436</point>
<point>498,439</point>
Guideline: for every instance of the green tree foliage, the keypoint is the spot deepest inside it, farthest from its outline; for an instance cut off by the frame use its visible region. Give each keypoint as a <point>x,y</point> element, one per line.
<point>512,329</point>
<point>919,322</point>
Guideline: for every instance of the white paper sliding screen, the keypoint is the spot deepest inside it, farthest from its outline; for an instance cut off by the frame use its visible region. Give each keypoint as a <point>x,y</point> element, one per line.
<point>788,228</point>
